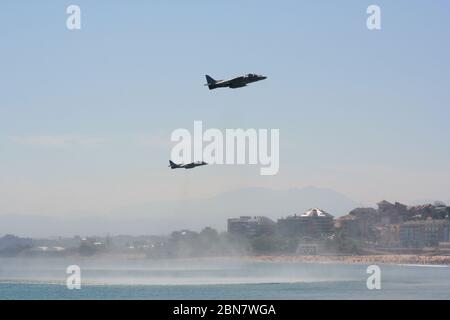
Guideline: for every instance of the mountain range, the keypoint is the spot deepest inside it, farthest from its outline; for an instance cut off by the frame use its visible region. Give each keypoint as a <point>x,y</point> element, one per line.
<point>162,217</point>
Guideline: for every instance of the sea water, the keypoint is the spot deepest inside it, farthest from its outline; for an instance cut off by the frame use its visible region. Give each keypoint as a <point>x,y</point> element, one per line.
<point>217,279</point>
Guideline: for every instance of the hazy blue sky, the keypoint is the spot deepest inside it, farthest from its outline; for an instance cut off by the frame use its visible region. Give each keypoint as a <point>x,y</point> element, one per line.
<point>86,116</point>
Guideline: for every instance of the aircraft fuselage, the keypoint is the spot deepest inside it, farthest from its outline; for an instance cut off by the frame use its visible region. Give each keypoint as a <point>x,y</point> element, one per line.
<point>234,83</point>
<point>186,166</point>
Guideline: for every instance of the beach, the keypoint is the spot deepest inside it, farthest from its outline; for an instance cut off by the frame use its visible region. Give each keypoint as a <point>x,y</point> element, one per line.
<point>357,259</point>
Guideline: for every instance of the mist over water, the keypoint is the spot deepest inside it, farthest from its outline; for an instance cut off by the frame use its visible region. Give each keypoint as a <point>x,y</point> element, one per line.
<point>211,278</point>
<point>171,271</point>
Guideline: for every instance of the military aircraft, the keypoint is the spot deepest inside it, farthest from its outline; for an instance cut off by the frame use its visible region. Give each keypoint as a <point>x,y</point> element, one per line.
<point>186,166</point>
<point>234,83</point>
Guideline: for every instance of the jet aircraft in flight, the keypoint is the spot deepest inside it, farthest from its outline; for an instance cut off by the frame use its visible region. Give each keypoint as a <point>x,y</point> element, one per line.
<point>186,166</point>
<point>234,83</point>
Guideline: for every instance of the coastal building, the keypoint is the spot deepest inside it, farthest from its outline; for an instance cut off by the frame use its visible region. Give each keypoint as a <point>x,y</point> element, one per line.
<point>392,213</point>
<point>388,236</point>
<point>249,227</point>
<point>358,224</point>
<point>412,234</point>
<point>314,223</point>
<point>436,231</point>
<point>426,233</point>
<point>438,211</point>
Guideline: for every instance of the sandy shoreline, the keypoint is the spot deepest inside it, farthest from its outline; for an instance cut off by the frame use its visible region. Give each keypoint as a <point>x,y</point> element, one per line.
<point>403,259</point>
<point>368,259</point>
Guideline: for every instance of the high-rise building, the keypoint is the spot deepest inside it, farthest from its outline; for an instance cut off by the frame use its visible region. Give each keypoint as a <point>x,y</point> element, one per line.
<point>314,223</point>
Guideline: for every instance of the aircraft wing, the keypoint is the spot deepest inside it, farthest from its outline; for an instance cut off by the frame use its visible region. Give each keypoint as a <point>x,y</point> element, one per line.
<point>234,80</point>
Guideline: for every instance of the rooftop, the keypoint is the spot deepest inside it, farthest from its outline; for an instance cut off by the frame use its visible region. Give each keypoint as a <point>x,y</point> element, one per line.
<point>315,212</point>
<point>312,213</point>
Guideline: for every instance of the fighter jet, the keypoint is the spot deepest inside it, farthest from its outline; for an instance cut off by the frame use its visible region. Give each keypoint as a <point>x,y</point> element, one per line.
<point>238,82</point>
<point>186,166</point>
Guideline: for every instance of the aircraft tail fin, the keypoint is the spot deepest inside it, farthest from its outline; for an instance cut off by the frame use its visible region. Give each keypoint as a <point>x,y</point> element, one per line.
<point>210,82</point>
<point>171,164</point>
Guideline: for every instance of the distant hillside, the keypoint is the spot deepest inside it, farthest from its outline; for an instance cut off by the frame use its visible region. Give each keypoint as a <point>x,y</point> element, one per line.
<point>165,216</point>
